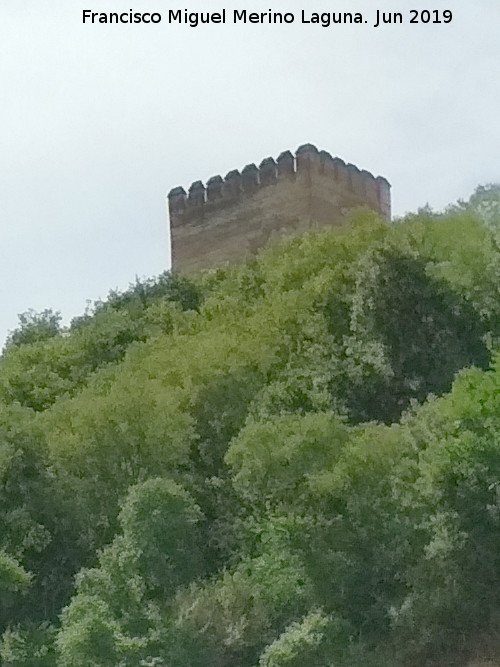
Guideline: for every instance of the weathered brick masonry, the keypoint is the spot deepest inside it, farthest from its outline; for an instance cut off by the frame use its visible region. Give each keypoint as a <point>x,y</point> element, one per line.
<point>232,217</point>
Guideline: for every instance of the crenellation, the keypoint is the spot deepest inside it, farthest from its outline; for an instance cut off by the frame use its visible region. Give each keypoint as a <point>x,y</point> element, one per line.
<point>233,216</point>
<point>367,175</point>
<point>196,195</point>
<point>356,183</point>
<point>176,204</point>
<point>327,164</point>
<point>384,196</point>
<point>232,185</point>
<point>341,173</point>
<point>214,188</point>
<point>250,178</point>
<point>268,171</point>
<point>286,165</point>
<point>371,188</point>
<point>307,159</point>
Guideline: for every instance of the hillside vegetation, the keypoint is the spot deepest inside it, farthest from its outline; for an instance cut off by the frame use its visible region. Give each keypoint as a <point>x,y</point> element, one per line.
<point>292,462</point>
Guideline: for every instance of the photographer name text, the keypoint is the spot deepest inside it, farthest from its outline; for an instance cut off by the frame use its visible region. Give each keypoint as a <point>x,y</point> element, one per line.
<point>378,19</point>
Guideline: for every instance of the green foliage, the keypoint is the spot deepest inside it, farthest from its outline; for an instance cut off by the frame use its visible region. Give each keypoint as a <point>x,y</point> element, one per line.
<point>41,363</point>
<point>272,461</point>
<point>161,521</point>
<point>168,286</point>
<point>159,550</point>
<point>407,336</point>
<point>38,526</point>
<point>35,327</point>
<point>89,634</point>
<point>13,580</point>
<point>229,619</point>
<point>31,646</point>
<point>306,642</point>
<point>294,461</point>
<point>484,203</point>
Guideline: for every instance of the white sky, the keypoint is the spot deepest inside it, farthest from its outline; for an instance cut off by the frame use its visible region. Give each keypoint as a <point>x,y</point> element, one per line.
<point>98,122</point>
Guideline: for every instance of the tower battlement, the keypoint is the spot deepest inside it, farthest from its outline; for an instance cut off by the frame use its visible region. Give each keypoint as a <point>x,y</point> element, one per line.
<point>232,217</point>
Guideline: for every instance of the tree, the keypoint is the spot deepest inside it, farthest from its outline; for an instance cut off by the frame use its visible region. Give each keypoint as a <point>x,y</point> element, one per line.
<point>35,327</point>
<point>484,203</point>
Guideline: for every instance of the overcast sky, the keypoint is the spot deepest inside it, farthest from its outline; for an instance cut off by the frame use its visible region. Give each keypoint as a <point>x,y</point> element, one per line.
<point>98,122</point>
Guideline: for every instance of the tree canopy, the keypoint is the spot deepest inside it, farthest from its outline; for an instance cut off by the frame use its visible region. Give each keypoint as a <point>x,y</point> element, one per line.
<point>290,461</point>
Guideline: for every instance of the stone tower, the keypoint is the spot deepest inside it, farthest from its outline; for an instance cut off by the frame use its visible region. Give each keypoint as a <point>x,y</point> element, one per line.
<point>232,217</point>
